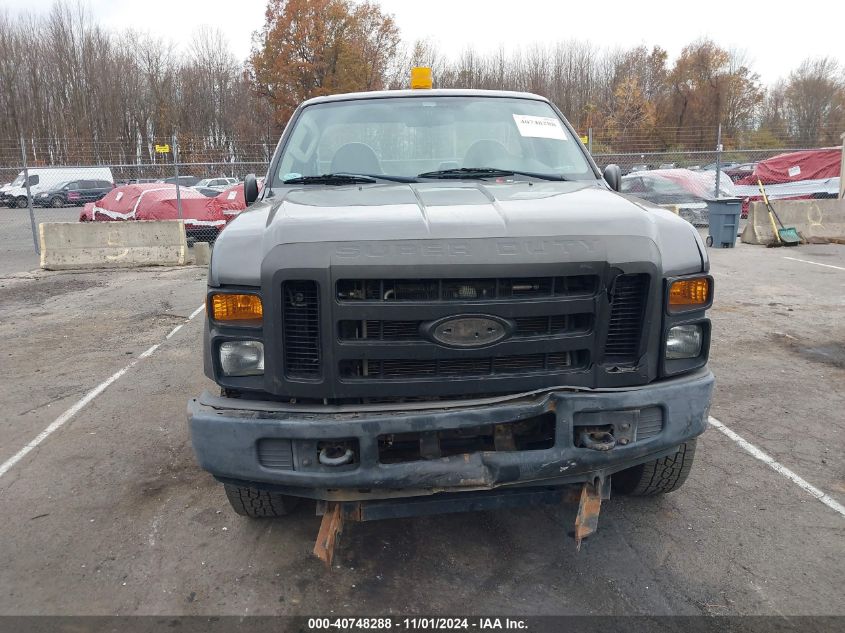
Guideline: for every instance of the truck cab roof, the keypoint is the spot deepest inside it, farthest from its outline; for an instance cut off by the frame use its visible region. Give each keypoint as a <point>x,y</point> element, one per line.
<point>436,92</point>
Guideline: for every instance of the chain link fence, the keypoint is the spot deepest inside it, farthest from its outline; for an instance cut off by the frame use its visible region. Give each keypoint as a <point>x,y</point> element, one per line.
<point>41,187</point>
<point>53,180</point>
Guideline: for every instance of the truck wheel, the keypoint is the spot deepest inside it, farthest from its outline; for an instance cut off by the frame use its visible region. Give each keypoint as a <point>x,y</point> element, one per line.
<point>656,477</point>
<point>20,202</point>
<point>258,504</point>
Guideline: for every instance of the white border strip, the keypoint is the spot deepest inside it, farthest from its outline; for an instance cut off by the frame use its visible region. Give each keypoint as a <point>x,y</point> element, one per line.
<point>807,261</point>
<point>802,483</point>
<point>85,400</point>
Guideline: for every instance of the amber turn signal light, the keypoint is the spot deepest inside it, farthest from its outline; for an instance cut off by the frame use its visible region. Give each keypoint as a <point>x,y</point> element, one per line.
<point>689,294</point>
<point>235,308</point>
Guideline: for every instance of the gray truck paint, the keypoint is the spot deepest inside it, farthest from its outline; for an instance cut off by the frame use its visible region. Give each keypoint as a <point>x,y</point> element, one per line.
<point>423,227</point>
<point>448,211</point>
<point>224,439</point>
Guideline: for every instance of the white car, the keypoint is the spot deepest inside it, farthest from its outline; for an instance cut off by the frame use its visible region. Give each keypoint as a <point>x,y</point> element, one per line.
<point>219,184</point>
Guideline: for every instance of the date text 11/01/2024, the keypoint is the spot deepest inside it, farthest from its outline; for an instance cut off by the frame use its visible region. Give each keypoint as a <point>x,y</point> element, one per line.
<point>417,623</point>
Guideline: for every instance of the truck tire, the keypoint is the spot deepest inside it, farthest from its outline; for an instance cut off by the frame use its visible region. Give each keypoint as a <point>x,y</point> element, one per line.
<point>21,202</point>
<point>258,504</point>
<point>656,477</point>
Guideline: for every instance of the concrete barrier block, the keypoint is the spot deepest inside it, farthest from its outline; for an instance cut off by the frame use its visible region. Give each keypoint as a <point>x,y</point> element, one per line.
<point>202,253</point>
<point>84,245</point>
<point>815,220</point>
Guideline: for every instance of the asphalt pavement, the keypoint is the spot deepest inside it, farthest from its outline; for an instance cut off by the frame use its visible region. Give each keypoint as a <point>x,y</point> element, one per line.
<point>109,513</point>
<point>17,250</point>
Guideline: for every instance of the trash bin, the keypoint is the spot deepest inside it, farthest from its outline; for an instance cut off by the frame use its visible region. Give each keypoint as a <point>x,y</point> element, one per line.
<point>724,221</point>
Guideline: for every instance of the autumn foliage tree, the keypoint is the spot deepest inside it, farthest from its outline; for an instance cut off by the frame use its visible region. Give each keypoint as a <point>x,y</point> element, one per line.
<point>309,48</point>
<point>80,93</point>
<point>709,86</point>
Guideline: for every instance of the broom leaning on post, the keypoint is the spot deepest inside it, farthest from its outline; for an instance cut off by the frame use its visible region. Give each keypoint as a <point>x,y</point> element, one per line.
<point>785,236</point>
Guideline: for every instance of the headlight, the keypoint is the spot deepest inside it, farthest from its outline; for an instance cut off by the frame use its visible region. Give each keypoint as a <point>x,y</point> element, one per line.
<point>683,341</point>
<point>242,358</point>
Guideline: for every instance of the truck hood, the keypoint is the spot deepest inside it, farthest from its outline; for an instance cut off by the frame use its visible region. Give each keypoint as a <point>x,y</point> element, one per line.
<point>448,210</point>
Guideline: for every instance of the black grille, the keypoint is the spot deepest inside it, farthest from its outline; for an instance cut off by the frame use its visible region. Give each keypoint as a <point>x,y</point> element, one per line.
<point>627,310</point>
<point>301,322</point>
<point>428,290</point>
<point>524,364</point>
<point>650,422</point>
<point>375,330</point>
<point>275,453</point>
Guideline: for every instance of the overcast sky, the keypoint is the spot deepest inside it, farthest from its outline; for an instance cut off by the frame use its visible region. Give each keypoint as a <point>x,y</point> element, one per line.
<point>775,35</point>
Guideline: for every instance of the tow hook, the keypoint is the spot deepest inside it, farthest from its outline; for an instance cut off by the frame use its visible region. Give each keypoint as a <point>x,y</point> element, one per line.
<point>335,455</point>
<point>596,439</point>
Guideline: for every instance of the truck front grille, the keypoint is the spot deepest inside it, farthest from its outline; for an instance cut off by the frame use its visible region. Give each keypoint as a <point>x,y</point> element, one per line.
<point>429,290</point>
<point>301,329</point>
<point>371,329</point>
<point>627,312</point>
<point>352,338</point>
<point>520,365</point>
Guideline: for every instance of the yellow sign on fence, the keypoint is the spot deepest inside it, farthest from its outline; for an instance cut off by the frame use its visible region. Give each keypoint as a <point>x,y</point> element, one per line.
<point>162,149</point>
<point>585,139</point>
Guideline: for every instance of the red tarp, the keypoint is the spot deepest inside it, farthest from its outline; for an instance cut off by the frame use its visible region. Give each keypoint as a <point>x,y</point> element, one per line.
<point>156,201</point>
<point>815,164</point>
<point>231,202</point>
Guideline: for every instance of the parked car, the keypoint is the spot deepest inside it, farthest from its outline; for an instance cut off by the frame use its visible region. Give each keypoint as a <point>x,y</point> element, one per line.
<point>686,189</point>
<point>184,181</point>
<point>74,193</point>
<point>221,184</point>
<point>805,174</point>
<point>203,217</point>
<point>739,171</point>
<point>43,179</point>
<point>214,186</point>
<point>675,186</point>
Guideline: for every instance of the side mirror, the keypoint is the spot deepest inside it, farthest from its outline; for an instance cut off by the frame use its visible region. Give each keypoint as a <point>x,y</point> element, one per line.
<point>250,189</point>
<point>613,176</point>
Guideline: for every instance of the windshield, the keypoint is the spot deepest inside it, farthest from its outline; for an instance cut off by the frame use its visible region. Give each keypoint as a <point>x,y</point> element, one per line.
<point>18,182</point>
<point>407,136</point>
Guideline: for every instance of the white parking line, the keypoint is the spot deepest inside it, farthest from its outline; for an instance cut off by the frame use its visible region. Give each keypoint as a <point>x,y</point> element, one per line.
<point>807,261</point>
<point>802,483</point>
<point>82,402</point>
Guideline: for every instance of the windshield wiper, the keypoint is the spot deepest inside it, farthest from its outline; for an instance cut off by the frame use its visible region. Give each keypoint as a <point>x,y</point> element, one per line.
<point>484,172</point>
<point>345,179</point>
<point>330,179</point>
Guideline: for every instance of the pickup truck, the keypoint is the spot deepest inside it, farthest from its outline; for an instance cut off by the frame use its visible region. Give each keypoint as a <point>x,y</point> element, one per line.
<point>437,294</point>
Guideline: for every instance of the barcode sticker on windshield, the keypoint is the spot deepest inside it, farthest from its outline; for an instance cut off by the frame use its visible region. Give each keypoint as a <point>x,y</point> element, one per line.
<point>539,126</point>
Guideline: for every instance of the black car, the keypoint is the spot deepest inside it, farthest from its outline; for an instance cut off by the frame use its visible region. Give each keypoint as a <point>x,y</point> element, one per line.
<point>74,193</point>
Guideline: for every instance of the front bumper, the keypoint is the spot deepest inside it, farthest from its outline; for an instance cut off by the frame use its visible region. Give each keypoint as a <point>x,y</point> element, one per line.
<point>226,434</point>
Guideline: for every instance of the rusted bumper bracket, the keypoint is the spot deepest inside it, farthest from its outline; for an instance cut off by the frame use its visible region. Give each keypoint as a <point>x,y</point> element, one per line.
<point>589,506</point>
<point>335,513</point>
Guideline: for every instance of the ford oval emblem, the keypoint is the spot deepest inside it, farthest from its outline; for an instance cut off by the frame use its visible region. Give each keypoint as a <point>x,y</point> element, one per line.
<point>469,331</point>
